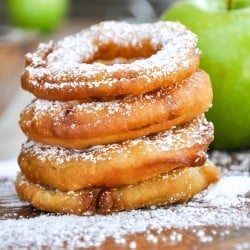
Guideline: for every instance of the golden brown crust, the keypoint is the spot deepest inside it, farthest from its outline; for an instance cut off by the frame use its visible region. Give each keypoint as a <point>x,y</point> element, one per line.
<point>78,125</point>
<point>174,187</point>
<point>66,70</point>
<point>117,164</point>
<point>118,122</point>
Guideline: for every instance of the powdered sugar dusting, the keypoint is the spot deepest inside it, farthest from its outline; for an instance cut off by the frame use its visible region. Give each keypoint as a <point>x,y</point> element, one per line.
<point>195,132</point>
<point>56,108</point>
<point>64,64</point>
<point>126,106</point>
<point>203,210</point>
<point>230,190</point>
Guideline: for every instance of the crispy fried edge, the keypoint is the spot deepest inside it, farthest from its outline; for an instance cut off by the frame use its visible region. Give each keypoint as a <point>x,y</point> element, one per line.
<point>189,99</point>
<point>174,187</point>
<point>141,161</point>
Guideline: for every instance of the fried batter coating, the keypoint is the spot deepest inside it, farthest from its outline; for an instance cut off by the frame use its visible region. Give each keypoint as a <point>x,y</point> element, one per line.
<point>78,125</point>
<point>117,164</point>
<point>70,69</point>
<point>118,121</point>
<point>175,187</point>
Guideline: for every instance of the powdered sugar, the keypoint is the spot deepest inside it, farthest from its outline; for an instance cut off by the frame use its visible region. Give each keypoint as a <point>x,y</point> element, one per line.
<point>8,168</point>
<point>65,64</point>
<point>54,230</point>
<point>203,210</point>
<point>228,191</point>
<point>196,132</point>
<point>127,106</point>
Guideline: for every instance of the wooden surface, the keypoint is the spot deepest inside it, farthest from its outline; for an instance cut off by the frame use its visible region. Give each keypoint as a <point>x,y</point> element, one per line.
<point>227,236</point>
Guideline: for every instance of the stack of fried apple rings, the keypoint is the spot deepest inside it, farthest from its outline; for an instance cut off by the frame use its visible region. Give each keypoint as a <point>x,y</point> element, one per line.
<point>118,121</point>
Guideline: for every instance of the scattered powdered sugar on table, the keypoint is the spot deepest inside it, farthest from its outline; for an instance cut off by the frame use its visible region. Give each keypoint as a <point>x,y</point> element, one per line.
<point>92,231</point>
<point>222,204</point>
<point>229,191</point>
<point>8,169</point>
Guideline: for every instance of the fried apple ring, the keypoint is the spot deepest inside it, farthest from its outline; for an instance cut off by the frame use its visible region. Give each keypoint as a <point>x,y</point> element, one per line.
<point>117,164</point>
<point>78,125</point>
<point>162,53</point>
<point>175,187</point>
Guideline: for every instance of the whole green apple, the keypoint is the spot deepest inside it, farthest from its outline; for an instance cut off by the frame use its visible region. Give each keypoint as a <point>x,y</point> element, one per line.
<point>223,29</point>
<point>43,15</point>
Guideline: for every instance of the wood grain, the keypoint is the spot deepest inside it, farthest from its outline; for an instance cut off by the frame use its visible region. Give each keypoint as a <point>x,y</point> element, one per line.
<point>194,237</point>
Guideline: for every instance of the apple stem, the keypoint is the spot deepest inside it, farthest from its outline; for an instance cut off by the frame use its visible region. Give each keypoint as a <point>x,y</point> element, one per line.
<point>229,4</point>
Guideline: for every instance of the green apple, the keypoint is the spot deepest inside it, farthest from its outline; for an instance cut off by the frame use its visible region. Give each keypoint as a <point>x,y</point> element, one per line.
<point>43,15</point>
<point>223,29</point>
